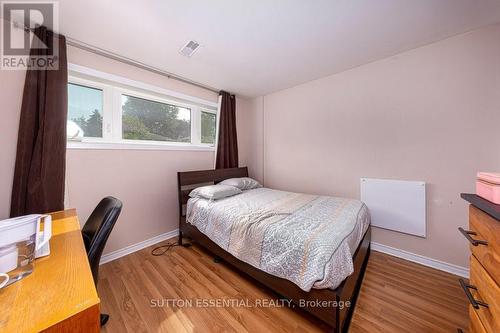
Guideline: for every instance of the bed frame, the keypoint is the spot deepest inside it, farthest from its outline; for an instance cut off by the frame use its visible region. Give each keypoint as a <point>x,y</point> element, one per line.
<point>336,317</point>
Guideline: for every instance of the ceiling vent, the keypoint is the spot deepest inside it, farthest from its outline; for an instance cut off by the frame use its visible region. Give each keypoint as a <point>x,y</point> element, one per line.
<point>190,47</point>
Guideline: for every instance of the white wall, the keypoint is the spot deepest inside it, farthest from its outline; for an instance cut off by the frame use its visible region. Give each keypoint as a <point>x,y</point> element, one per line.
<point>11,94</point>
<point>429,114</point>
<point>249,123</point>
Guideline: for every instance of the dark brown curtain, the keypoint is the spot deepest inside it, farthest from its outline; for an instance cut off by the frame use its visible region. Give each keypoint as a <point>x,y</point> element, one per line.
<point>41,144</point>
<point>227,147</point>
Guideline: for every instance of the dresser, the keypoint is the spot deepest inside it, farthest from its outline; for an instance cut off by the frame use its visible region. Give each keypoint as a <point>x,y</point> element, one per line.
<point>483,288</point>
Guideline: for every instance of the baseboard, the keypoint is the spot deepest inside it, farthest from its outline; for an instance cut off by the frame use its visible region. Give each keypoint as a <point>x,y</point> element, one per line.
<point>138,246</point>
<point>429,262</point>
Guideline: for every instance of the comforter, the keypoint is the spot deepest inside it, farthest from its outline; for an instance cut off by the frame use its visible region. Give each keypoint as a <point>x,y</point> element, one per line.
<point>307,239</point>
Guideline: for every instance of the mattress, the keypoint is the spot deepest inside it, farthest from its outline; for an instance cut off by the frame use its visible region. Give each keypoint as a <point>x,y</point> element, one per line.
<point>306,239</point>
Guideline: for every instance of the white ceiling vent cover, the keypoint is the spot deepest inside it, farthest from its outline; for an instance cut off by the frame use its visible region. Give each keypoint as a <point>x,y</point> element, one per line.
<point>190,47</point>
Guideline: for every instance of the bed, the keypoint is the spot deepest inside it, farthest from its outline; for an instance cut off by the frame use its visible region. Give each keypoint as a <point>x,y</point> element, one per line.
<point>281,240</point>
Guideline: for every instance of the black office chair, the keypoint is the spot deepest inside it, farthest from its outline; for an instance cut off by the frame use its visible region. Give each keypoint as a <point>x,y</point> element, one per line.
<point>95,233</point>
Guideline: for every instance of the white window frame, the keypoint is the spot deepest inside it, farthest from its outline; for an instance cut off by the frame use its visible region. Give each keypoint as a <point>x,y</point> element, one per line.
<point>113,87</point>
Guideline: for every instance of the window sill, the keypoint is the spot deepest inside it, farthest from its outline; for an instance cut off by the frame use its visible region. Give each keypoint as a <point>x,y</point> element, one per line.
<point>102,145</point>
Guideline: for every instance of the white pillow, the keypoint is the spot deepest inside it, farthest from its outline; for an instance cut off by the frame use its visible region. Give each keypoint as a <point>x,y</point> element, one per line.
<point>214,192</point>
<point>243,183</point>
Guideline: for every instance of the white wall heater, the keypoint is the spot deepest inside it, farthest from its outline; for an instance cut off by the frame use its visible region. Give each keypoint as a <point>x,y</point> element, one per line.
<point>397,205</point>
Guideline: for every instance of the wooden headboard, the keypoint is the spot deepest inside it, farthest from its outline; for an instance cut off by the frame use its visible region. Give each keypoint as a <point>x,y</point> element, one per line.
<point>189,180</point>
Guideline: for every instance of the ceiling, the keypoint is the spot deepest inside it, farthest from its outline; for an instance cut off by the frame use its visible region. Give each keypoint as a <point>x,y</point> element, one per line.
<point>253,48</point>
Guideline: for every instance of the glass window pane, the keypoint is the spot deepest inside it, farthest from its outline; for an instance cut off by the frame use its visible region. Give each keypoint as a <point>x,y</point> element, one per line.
<point>143,119</point>
<point>208,127</point>
<point>84,112</point>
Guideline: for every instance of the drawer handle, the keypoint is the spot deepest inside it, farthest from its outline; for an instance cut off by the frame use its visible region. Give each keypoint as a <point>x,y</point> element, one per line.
<point>474,302</point>
<point>468,233</point>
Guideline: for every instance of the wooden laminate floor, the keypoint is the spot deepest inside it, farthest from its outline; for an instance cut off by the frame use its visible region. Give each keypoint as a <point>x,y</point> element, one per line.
<point>139,291</point>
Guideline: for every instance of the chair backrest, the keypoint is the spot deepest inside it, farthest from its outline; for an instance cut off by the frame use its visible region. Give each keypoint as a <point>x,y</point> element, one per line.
<point>97,229</point>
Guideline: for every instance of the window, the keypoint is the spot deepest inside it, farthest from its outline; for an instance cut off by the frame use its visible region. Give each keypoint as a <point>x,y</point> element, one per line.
<point>208,126</point>
<point>113,112</point>
<point>85,110</point>
<point>143,119</point>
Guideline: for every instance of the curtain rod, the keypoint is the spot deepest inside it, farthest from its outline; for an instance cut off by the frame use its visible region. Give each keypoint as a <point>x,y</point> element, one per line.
<point>111,55</point>
<point>114,56</point>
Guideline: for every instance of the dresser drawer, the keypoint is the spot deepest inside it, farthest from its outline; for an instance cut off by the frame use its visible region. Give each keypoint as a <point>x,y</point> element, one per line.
<point>475,325</point>
<point>488,292</point>
<point>486,228</point>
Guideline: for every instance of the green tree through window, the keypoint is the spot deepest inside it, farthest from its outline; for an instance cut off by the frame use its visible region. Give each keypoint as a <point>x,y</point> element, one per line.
<point>208,127</point>
<point>92,127</point>
<point>148,120</point>
<point>85,109</point>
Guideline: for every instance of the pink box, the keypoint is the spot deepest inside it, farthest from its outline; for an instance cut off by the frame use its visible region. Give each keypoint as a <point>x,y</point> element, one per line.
<point>488,186</point>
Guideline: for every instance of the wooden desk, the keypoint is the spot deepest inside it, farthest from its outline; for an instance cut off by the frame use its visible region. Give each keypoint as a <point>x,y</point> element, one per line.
<point>59,296</point>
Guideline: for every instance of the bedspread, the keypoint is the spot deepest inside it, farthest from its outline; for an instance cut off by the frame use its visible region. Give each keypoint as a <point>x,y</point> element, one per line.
<point>307,239</point>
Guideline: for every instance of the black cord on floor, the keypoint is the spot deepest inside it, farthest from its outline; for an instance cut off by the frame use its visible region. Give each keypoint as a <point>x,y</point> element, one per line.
<point>162,249</point>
